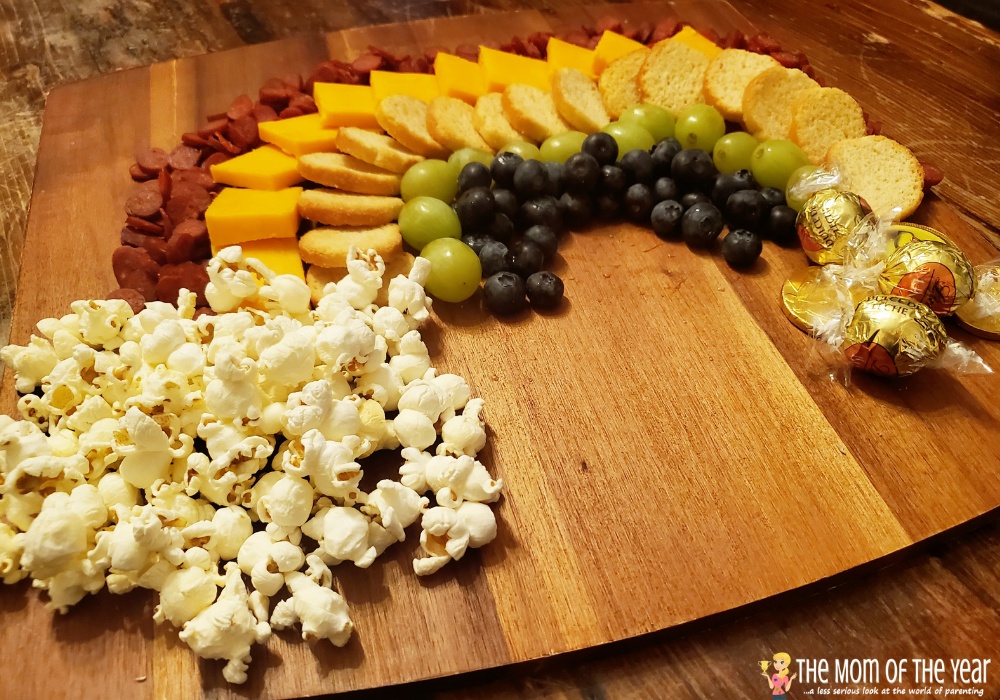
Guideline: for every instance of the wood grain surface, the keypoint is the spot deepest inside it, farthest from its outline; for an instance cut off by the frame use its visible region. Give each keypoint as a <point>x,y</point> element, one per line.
<point>685,460</point>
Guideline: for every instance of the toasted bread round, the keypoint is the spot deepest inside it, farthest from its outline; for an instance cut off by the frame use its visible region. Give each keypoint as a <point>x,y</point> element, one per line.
<point>336,208</point>
<point>578,100</point>
<point>821,117</point>
<point>404,118</point>
<point>728,75</point>
<point>618,83</point>
<point>492,125</point>
<point>328,246</point>
<point>318,277</point>
<point>532,112</point>
<point>673,76</point>
<point>376,149</point>
<point>449,122</point>
<point>768,100</point>
<point>348,173</point>
<point>883,172</point>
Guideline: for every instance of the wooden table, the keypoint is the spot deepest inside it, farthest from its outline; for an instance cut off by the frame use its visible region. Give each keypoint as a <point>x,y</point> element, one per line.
<point>938,605</point>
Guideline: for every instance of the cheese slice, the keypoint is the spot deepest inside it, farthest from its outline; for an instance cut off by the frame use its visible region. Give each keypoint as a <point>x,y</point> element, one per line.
<point>501,69</point>
<point>420,85</point>
<point>345,105</point>
<point>459,78</point>
<point>281,255</point>
<point>562,54</point>
<point>690,37</point>
<point>264,168</point>
<point>237,215</point>
<point>299,135</point>
<point>611,46</point>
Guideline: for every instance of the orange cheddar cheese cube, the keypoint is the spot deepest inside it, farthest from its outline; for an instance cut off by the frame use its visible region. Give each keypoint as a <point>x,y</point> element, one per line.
<point>688,35</point>
<point>345,105</point>
<point>236,216</point>
<point>264,168</point>
<point>611,46</point>
<point>459,78</point>
<point>281,255</point>
<point>501,69</point>
<point>299,135</point>
<point>562,54</point>
<point>420,85</point>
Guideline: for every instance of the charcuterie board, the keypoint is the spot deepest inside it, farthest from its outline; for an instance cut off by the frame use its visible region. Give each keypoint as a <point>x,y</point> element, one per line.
<point>670,445</point>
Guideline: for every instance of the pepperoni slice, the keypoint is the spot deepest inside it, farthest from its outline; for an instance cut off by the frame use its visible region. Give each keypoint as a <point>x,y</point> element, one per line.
<point>289,112</point>
<point>143,225</point>
<point>184,157</point>
<point>168,225</point>
<point>607,23</point>
<point>203,311</point>
<point>193,139</point>
<point>293,81</point>
<point>185,275</point>
<point>264,113</point>
<point>223,144</point>
<point>196,176</point>
<point>932,175</point>
<point>188,201</point>
<point>240,107</point>
<point>406,65</point>
<point>366,63</point>
<point>154,245</point>
<point>164,183</point>
<point>304,102</point>
<point>469,52</point>
<point>217,158</point>
<point>788,60</point>
<point>243,131</point>
<point>127,259</point>
<point>137,173</point>
<point>734,40</point>
<point>326,72</point>
<point>214,126</point>
<point>148,186</point>
<point>540,39</point>
<point>141,282</point>
<point>431,54</point>
<point>144,204</point>
<point>664,29</point>
<point>152,160</point>
<point>134,297</point>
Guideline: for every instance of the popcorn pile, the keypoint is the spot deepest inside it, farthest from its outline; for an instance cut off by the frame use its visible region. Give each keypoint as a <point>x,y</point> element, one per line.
<point>161,445</point>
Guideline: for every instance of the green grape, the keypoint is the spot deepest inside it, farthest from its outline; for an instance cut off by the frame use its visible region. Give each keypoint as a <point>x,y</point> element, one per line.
<point>430,178</point>
<point>700,126</point>
<point>425,219</point>
<point>561,146</point>
<point>455,269</point>
<point>528,151</point>
<point>654,119</point>
<point>464,156</point>
<point>800,174</point>
<point>629,136</point>
<point>732,152</point>
<point>773,162</point>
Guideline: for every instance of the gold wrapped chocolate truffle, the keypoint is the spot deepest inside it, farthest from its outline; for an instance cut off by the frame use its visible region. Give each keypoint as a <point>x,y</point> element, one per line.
<point>902,233</point>
<point>934,273</point>
<point>826,221</point>
<point>981,316</point>
<point>810,301</point>
<point>893,336</point>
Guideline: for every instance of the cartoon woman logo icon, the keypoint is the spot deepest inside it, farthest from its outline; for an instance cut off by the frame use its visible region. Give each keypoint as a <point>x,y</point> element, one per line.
<point>780,682</point>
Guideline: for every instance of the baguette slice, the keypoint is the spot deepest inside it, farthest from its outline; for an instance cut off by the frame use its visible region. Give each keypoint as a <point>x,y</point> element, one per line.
<point>449,122</point>
<point>673,76</point>
<point>823,116</point>
<point>404,118</point>
<point>532,112</point>
<point>728,75</point>
<point>336,208</point>
<point>376,149</point>
<point>328,246</point>
<point>491,123</point>
<point>578,100</point>
<point>348,173</point>
<point>618,83</point>
<point>881,171</point>
<point>768,100</point>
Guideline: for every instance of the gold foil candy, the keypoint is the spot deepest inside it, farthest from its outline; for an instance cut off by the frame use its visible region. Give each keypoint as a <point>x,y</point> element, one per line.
<point>903,233</point>
<point>934,273</point>
<point>893,336</point>
<point>809,301</point>
<point>981,316</point>
<point>826,221</point>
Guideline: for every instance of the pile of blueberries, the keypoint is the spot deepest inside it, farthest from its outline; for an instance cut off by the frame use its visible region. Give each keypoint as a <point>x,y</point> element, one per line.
<point>514,227</point>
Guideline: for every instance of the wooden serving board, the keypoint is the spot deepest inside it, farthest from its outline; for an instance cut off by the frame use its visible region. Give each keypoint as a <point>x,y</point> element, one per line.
<point>669,445</point>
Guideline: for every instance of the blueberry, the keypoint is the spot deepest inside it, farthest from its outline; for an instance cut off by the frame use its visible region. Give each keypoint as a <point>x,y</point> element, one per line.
<point>582,173</point>
<point>780,225</point>
<point>611,181</point>
<point>493,258</point>
<point>474,174</point>
<point>602,146</point>
<point>745,180</point>
<point>577,210</point>
<point>637,165</point>
<point>505,202</point>
<point>501,228</point>
<point>722,187</point>
<point>475,208</point>
<point>701,225</point>
<point>741,248</point>
<point>503,168</point>
<point>544,237</point>
<point>666,218</point>
<point>504,293</point>
<point>607,206</point>
<point>692,169</point>
<point>692,198</point>
<point>531,179</point>
<point>665,188</point>
<point>525,258</point>
<point>542,210</point>
<point>638,202</point>
<point>663,156</point>
<point>476,241</point>
<point>745,209</point>
<point>773,197</point>
<point>545,290</point>
<point>557,178</point>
